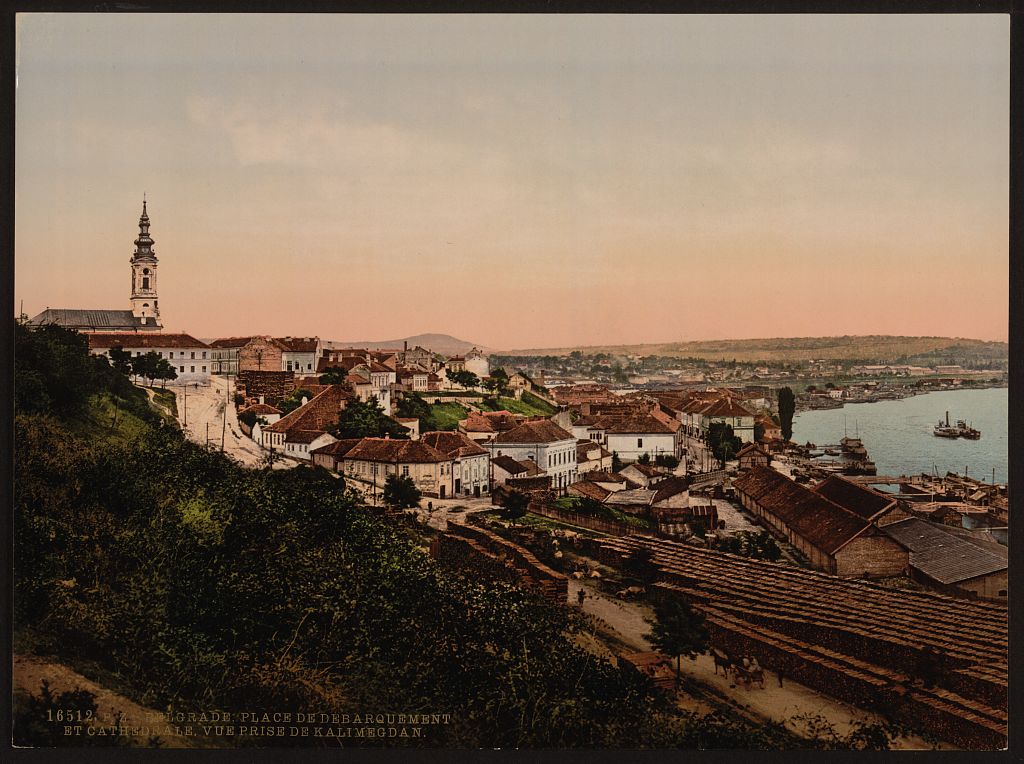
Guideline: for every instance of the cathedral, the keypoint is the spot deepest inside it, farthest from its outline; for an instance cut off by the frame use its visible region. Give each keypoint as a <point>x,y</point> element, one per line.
<point>144,315</point>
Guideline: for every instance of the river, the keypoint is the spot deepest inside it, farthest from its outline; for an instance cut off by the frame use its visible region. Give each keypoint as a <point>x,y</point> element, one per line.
<point>898,434</point>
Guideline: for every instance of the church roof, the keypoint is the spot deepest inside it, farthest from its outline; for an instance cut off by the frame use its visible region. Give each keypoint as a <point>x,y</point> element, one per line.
<point>93,320</point>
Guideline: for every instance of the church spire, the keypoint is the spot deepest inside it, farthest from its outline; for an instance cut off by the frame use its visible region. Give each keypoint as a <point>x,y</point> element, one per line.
<point>144,244</point>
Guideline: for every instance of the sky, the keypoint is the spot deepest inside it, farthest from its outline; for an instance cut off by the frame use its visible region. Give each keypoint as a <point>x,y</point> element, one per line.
<point>520,181</point>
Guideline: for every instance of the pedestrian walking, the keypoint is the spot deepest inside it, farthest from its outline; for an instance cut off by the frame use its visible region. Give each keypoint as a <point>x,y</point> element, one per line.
<point>581,595</point>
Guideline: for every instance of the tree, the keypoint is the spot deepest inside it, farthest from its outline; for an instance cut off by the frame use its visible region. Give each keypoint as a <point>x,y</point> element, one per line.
<point>645,458</point>
<point>366,419</point>
<point>464,378</point>
<point>758,432</point>
<point>333,375</point>
<point>678,630</point>
<point>514,505</point>
<point>724,444</point>
<point>666,460</point>
<point>294,400</point>
<point>787,407</point>
<point>400,492</point>
<point>121,360</point>
<point>164,370</point>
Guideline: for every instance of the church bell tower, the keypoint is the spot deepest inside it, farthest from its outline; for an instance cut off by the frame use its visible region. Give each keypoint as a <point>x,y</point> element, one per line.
<point>144,264</point>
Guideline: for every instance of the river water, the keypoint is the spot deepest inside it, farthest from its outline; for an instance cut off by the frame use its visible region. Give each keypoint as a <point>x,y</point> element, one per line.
<point>898,434</point>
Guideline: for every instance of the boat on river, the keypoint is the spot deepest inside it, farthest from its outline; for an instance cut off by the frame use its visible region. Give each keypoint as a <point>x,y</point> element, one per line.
<point>960,430</point>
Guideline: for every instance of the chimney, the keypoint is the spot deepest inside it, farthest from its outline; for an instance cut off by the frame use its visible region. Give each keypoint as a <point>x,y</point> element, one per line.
<point>405,345</point>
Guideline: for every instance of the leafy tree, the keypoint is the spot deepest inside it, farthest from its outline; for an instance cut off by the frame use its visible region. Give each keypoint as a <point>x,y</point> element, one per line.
<point>616,461</point>
<point>666,460</point>
<point>333,375</point>
<point>294,400</point>
<point>121,360</point>
<point>400,492</point>
<point>787,408</point>
<point>645,458</point>
<point>724,444</point>
<point>465,378</point>
<point>164,370</point>
<point>367,419</point>
<point>412,406</point>
<point>514,505</point>
<point>678,630</point>
<point>758,431</point>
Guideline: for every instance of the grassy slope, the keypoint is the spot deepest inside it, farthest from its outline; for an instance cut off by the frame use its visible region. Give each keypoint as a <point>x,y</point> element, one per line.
<point>530,405</point>
<point>879,347</point>
<point>447,415</point>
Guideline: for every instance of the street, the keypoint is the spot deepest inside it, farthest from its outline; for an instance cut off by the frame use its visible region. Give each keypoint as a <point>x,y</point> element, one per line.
<point>207,411</point>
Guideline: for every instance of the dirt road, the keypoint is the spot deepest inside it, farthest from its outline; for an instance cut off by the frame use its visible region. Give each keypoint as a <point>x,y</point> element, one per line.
<point>629,623</point>
<point>207,411</point>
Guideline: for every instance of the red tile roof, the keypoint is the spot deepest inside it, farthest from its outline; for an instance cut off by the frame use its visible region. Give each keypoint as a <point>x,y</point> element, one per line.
<point>589,490</point>
<point>858,499</point>
<point>151,340</point>
<point>230,342</point>
<point>725,407</point>
<point>823,523</point>
<point>319,413</point>
<point>510,465</point>
<point>303,436</point>
<point>454,444</point>
<point>542,431</point>
<point>338,447</point>
<point>299,344</point>
<point>396,451</point>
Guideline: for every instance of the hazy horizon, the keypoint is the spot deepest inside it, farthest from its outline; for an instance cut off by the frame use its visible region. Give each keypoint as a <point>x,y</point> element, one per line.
<point>521,181</point>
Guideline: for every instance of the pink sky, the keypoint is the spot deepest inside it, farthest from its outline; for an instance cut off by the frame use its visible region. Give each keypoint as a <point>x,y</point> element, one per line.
<point>521,181</point>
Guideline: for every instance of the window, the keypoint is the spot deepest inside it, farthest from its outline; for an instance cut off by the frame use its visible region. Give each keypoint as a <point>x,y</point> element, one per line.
<point>204,354</point>
<point>405,470</point>
<point>145,282</point>
<point>193,354</point>
<point>1002,593</point>
<point>170,354</point>
<point>160,353</point>
<point>204,369</point>
<point>181,369</point>
<point>193,368</point>
<point>639,442</point>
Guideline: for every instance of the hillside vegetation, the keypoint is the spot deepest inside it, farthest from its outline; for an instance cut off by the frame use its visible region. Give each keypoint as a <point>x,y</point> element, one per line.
<point>871,348</point>
<point>202,585</point>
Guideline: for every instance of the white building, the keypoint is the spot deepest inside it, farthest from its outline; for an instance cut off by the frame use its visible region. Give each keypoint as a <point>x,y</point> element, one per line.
<point>470,462</point>
<point>548,445</point>
<point>300,354</point>
<point>189,357</point>
<point>476,362</point>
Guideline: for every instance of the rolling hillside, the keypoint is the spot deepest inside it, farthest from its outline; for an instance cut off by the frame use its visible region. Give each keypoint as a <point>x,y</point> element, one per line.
<point>879,348</point>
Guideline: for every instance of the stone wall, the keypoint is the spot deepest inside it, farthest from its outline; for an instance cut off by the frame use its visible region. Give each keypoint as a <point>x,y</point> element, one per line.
<point>260,354</point>
<point>273,386</point>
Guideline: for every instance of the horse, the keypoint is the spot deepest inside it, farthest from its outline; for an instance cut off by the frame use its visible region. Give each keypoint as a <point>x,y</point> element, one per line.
<point>722,660</point>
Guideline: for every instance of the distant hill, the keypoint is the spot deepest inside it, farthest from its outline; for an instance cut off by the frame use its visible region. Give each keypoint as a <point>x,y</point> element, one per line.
<point>871,348</point>
<point>444,344</point>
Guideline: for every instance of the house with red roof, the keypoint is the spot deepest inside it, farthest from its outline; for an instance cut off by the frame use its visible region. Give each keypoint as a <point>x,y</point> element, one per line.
<point>191,358</point>
<point>471,462</point>
<point>549,446</point>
